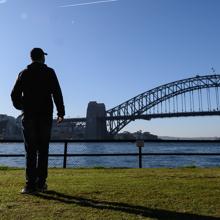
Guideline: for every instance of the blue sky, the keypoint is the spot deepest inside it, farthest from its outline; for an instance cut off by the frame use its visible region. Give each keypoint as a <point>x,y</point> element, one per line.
<point>112,50</point>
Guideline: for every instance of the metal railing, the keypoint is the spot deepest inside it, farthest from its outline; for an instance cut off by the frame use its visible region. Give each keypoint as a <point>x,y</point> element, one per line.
<point>139,154</point>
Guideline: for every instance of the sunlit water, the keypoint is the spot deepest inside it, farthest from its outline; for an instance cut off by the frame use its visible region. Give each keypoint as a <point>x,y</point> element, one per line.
<point>122,161</point>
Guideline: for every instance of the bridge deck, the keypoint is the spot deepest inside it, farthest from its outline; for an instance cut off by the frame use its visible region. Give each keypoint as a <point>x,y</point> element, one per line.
<point>151,116</point>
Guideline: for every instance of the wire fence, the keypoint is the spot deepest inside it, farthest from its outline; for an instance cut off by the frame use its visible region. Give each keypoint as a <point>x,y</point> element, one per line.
<point>94,153</point>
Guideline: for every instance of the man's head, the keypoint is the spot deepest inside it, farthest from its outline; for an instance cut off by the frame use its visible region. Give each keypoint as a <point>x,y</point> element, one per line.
<point>37,54</point>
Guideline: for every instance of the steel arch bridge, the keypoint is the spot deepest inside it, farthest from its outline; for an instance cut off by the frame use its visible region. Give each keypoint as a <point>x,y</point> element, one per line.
<point>196,96</point>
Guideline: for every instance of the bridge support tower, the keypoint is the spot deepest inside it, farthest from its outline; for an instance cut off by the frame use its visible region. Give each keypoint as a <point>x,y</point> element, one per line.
<point>95,121</point>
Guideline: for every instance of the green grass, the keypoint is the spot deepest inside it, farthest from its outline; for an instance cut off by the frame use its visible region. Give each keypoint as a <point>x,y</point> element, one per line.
<point>101,194</point>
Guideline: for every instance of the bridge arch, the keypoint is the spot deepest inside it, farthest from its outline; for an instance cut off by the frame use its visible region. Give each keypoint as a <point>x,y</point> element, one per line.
<point>138,107</point>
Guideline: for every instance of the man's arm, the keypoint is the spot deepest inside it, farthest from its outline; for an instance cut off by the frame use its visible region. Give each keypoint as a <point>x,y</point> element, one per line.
<point>58,98</point>
<point>16,94</point>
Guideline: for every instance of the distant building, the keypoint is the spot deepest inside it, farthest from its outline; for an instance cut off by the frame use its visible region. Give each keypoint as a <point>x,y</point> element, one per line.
<point>67,130</point>
<point>9,128</point>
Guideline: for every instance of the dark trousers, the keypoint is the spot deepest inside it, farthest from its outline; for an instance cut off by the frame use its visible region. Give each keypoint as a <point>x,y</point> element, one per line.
<point>36,132</point>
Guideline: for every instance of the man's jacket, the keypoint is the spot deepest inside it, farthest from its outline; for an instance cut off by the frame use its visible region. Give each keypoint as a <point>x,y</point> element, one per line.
<point>34,90</point>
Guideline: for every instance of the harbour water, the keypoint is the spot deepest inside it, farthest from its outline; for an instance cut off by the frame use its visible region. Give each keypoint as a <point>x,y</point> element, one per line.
<point>120,161</point>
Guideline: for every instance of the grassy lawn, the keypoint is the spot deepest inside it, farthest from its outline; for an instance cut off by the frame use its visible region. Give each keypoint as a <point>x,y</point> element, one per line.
<point>101,194</point>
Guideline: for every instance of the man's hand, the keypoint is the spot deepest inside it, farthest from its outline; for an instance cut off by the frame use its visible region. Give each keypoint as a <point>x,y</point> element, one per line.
<point>59,119</point>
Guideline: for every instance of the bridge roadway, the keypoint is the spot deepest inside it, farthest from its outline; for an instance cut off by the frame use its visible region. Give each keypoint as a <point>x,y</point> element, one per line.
<point>75,120</point>
<point>150,116</point>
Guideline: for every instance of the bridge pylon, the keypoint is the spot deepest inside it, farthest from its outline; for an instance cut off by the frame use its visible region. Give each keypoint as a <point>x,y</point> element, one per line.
<point>95,121</point>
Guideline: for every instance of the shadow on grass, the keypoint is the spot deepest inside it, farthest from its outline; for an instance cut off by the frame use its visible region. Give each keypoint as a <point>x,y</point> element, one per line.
<point>122,207</point>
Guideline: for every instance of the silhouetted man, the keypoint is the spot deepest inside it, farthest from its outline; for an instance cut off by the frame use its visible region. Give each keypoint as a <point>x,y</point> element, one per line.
<point>33,93</point>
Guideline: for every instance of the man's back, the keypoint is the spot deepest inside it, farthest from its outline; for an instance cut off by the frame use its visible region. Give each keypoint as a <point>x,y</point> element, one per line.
<point>34,89</point>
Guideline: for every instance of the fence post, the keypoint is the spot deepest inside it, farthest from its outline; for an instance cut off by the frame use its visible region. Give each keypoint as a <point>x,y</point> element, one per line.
<point>140,144</point>
<point>65,154</point>
<point>140,157</point>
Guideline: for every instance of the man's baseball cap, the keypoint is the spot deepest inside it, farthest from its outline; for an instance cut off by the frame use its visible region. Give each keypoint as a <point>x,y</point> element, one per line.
<point>37,53</point>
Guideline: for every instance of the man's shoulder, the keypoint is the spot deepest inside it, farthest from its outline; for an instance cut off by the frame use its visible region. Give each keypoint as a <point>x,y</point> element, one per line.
<point>23,72</point>
<point>49,68</point>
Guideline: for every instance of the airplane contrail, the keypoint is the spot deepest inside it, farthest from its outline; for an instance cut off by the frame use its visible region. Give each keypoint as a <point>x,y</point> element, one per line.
<point>88,3</point>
